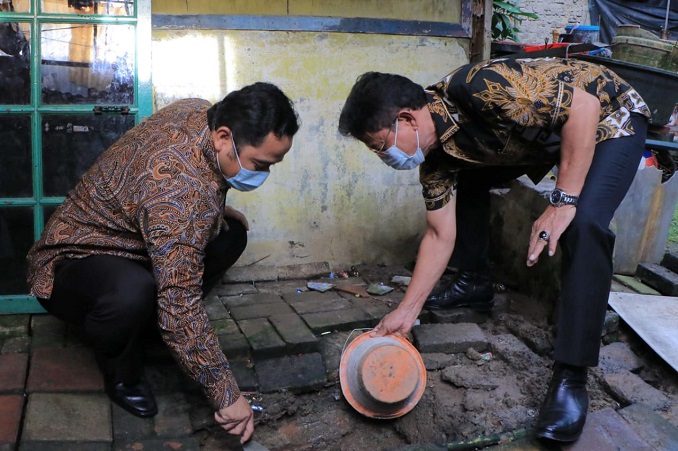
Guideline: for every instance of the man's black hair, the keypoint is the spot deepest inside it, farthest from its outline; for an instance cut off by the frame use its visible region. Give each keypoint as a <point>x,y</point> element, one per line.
<point>253,112</point>
<point>374,101</point>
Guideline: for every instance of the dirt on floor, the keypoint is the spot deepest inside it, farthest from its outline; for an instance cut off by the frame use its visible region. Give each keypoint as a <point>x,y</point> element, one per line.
<point>486,398</point>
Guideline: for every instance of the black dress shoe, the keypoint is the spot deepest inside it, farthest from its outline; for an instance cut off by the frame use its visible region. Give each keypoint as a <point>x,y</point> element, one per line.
<point>563,413</point>
<point>137,399</point>
<point>468,289</point>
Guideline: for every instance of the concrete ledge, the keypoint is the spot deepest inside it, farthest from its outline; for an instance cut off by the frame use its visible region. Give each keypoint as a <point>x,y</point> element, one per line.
<point>513,211</point>
<point>449,338</point>
<point>670,261</point>
<point>304,271</point>
<point>605,429</point>
<point>299,373</point>
<point>255,273</point>
<point>658,277</point>
<point>650,426</point>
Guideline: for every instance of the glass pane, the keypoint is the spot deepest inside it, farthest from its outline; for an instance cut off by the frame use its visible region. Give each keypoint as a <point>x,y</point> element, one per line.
<point>87,63</point>
<point>72,142</point>
<point>15,6</point>
<point>89,7</point>
<point>15,63</point>
<point>15,155</point>
<point>16,238</point>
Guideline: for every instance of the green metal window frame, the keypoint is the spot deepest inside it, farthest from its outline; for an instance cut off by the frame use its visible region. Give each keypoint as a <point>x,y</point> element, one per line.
<point>142,108</point>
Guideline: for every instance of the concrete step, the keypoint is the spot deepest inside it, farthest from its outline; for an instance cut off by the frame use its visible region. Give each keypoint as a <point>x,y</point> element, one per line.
<point>658,277</point>
<point>651,426</point>
<point>605,429</point>
<point>670,261</point>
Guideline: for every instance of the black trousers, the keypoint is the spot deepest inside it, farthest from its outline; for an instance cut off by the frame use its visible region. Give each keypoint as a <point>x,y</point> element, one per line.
<point>113,300</point>
<point>586,245</point>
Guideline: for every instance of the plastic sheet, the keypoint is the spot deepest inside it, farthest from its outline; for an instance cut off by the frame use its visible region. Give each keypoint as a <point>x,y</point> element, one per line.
<point>650,15</point>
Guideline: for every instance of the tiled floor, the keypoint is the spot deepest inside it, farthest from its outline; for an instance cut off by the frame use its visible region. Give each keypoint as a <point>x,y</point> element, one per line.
<point>52,396</point>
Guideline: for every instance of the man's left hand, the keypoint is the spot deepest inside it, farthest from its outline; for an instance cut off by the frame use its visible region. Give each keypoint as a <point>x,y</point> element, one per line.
<point>230,212</point>
<point>553,221</point>
<point>237,419</point>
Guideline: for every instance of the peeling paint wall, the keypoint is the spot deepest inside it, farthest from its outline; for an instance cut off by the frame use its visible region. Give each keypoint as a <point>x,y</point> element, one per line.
<point>330,199</point>
<point>436,10</point>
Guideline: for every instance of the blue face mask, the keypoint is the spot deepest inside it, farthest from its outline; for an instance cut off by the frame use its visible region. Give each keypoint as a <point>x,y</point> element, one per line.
<point>398,159</point>
<point>244,180</point>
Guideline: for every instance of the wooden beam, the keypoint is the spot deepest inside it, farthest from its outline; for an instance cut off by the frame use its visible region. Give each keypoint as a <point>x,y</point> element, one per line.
<point>309,23</point>
<point>481,30</point>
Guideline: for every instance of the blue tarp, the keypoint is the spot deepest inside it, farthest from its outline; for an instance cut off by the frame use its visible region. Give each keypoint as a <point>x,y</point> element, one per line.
<point>649,14</point>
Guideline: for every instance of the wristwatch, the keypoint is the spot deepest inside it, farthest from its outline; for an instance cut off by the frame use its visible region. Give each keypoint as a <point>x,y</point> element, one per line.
<point>558,197</point>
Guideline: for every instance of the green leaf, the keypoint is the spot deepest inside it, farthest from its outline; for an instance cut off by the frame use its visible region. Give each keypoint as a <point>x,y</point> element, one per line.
<point>511,9</point>
<point>506,22</point>
<point>505,13</point>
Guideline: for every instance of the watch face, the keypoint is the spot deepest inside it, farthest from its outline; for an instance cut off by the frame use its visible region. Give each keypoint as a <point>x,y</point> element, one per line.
<point>556,196</point>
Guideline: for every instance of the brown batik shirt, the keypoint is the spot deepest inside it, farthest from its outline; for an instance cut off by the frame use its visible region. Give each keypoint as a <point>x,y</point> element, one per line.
<point>511,111</point>
<point>156,196</point>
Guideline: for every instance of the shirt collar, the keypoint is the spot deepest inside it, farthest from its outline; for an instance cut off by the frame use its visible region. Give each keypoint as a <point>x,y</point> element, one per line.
<point>444,116</point>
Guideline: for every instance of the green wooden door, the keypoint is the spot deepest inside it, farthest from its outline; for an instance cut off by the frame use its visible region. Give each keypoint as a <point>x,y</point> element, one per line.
<point>74,76</point>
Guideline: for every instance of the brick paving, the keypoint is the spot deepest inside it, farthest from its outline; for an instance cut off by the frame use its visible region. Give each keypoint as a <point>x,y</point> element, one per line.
<point>270,325</point>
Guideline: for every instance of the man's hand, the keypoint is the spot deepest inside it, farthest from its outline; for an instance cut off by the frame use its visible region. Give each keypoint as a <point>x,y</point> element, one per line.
<point>576,153</point>
<point>230,212</point>
<point>399,322</point>
<point>553,221</point>
<point>237,419</point>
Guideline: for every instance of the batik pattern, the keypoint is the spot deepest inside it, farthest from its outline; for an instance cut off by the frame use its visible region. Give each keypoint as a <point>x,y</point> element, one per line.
<point>511,111</point>
<point>156,196</point>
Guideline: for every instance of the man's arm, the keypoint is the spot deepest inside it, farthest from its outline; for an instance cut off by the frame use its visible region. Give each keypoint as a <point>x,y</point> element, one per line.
<point>434,254</point>
<point>578,143</point>
<point>176,231</point>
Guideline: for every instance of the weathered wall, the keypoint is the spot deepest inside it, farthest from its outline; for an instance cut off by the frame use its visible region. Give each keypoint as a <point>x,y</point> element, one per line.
<point>436,10</point>
<point>552,14</point>
<point>330,199</point>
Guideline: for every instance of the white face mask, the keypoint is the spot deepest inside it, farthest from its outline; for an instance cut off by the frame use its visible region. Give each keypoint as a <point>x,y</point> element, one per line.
<point>398,159</point>
<point>244,180</point>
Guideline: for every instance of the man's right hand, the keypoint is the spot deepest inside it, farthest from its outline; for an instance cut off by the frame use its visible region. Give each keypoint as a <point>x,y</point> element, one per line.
<point>237,419</point>
<point>398,322</point>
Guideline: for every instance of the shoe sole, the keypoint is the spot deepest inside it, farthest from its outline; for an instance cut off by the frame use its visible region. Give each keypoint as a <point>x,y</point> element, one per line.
<point>136,413</point>
<point>563,438</point>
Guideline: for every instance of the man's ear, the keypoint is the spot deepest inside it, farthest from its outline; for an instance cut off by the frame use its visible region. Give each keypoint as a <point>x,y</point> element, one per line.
<point>221,138</point>
<point>410,118</point>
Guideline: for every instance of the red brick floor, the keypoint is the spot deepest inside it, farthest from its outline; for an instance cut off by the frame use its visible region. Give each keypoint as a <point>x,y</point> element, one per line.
<point>13,372</point>
<point>64,369</point>
<point>11,409</point>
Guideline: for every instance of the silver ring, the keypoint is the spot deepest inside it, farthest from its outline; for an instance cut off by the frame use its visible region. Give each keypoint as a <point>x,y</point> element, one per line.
<point>544,235</point>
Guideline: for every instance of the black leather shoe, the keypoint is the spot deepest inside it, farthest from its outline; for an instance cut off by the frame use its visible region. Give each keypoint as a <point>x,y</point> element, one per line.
<point>563,413</point>
<point>137,399</point>
<point>468,289</point>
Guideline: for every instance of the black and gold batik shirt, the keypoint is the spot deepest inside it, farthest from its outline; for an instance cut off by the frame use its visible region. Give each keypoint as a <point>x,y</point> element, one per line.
<point>156,196</point>
<point>510,112</point>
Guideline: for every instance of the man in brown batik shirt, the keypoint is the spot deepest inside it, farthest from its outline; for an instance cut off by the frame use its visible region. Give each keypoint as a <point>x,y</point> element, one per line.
<point>146,232</point>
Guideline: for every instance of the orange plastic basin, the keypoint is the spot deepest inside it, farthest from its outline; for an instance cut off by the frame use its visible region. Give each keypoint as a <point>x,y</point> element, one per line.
<point>382,377</point>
